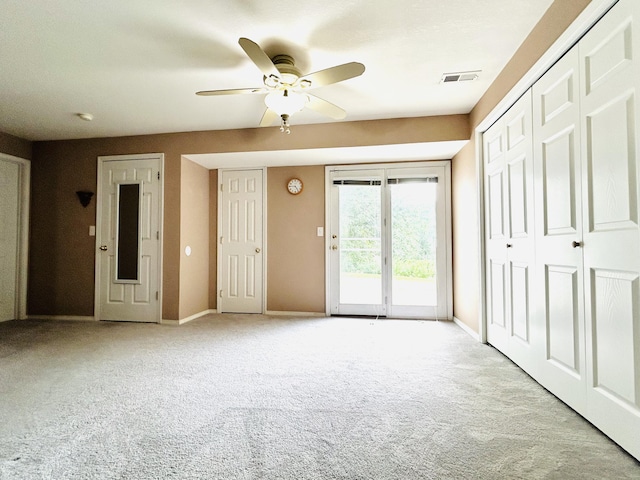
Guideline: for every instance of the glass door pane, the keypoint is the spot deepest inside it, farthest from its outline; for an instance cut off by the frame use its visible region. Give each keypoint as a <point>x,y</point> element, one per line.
<point>413,242</point>
<point>360,243</point>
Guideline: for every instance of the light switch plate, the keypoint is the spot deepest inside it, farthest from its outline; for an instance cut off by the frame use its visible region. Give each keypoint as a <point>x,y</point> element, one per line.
<point>320,231</point>
<point>92,231</point>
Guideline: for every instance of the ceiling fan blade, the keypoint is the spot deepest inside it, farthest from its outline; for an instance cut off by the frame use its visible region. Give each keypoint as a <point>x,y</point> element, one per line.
<point>231,91</point>
<point>335,74</point>
<point>326,108</point>
<point>268,118</point>
<point>257,55</point>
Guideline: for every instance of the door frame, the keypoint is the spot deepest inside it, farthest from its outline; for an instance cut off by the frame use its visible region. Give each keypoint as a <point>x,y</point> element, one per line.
<point>219,259</point>
<point>101,163</point>
<point>578,28</point>
<point>448,222</point>
<point>24,206</point>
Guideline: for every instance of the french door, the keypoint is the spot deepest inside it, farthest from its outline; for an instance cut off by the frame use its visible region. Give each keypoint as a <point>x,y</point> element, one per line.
<point>389,241</point>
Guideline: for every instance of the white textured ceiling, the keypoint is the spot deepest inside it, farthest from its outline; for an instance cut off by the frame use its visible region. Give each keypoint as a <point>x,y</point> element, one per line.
<point>135,64</point>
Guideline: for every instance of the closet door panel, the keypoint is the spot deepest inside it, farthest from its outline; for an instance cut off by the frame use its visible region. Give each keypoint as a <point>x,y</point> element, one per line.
<point>521,259</point>
<point>496,206</point>
<point>616,336</point>
<point>611,148</point>
<point>498,295</point>
<point>557,172</point>
<point>611,166</point>
<point>520,302</point>
<point>496,229</point>
<point>518,214</point>
<point>559,181</point>
<point>563,348</point>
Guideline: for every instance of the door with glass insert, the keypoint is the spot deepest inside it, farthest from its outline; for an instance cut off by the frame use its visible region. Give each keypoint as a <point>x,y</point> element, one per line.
<point>389,253</point>
<point>128,241</point>
<point>357,280</point>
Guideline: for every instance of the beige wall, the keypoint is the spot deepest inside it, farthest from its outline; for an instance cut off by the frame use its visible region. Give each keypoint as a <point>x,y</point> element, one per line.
<point>62,255</point>
<point>464,191</point>
<point>194,233</point>
<point>295,255</point>
<point>465,234</point>
<point>15,146</point>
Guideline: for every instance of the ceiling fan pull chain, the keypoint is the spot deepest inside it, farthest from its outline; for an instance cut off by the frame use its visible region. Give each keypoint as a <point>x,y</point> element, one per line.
<point>284,125</point>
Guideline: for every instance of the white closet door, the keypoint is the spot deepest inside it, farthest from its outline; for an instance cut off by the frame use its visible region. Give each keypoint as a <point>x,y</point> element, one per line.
<point>560,312</point>
<point>518,137</point>
<point>9,238</point>
<point>497,237</point>
<point>509,229</point>
<point>611,147</point>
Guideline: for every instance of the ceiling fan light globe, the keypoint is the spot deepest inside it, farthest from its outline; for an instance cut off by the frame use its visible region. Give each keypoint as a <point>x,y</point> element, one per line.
<point>286,102</point>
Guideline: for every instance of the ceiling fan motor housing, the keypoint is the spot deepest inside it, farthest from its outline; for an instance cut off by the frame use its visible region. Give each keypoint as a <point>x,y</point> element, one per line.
<point>286,66</point>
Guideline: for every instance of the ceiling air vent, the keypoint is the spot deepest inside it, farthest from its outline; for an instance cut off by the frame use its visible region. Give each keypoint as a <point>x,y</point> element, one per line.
<point>460,77</point>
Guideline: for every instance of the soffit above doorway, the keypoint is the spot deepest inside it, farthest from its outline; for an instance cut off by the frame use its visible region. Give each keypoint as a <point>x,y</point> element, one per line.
<point>333,156</point>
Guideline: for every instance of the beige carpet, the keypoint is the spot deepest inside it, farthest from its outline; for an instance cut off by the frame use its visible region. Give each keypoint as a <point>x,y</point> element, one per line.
<point>255,397</point>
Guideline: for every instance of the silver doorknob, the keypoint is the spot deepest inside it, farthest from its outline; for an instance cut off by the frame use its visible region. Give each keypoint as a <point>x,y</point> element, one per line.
<point>334,247</point>
<point>257,249</point>
<point>575,244</point>
<point>103,248</point>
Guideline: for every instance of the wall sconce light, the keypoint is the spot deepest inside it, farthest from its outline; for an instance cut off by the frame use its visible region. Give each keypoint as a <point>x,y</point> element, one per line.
<point>84,197</point>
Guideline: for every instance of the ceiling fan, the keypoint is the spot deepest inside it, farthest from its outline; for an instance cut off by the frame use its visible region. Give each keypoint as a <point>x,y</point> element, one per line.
<point>287,89</point>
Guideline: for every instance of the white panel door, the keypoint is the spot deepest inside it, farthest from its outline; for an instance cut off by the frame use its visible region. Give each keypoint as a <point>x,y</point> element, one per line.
<point>497,236</point>
<point>128,240</point>
<point>9,248</point>
<point>557,166</point>
<point>520,221</point>
<point>509,230</point>
<point>241,289</point>
<point>611,150</point>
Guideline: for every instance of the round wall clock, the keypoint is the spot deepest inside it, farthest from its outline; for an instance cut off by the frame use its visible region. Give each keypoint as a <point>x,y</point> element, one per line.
<point>294,186</point>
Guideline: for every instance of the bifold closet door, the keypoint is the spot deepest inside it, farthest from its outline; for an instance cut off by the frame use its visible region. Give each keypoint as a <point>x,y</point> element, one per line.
<point>558,200</point>
<point>10,173</point>
<point>509,234</point>
<point>610,105</point>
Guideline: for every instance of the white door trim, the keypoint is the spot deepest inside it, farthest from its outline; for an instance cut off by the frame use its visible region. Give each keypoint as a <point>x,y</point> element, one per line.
<point>23,231</point>
<point>219,259</point>
<point>580,26</point>
<point>109,158</point>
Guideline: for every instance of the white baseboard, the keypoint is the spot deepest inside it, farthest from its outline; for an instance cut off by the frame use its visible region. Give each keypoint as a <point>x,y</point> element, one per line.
<point>75,318</point>
<point>294,314</point>
<point>466,328</point>
<point>187,319</point>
